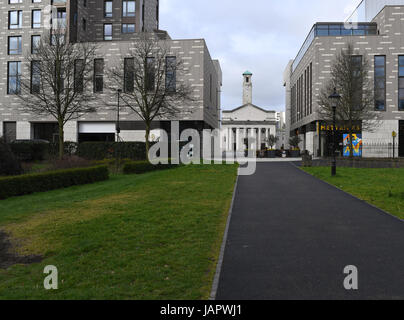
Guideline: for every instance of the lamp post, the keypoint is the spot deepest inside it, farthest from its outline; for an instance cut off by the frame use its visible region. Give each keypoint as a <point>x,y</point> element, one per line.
<point>118,129</point>
<point>335,97</point>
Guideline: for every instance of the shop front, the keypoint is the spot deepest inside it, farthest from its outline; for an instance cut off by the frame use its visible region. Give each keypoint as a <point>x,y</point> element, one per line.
<point>325,131</point>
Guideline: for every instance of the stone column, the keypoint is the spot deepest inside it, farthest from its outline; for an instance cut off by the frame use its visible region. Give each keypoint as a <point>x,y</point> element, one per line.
<point>238,139</point>
<point>259,138</point>
<point>228,139</point>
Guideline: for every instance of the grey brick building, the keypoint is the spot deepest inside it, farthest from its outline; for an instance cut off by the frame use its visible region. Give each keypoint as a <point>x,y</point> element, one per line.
<point>379,36</point>
<point>115,26</point>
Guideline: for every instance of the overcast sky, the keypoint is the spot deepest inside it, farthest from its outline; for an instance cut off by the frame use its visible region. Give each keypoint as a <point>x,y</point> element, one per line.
<point>256,35</point>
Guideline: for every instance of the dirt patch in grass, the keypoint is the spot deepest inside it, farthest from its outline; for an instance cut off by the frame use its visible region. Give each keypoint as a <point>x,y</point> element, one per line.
<point>8,258</point>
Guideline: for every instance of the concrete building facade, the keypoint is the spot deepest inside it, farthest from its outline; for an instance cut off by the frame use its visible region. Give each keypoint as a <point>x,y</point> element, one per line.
<point>246,121</point>
<point>381,41</point>
<point>115,26</point>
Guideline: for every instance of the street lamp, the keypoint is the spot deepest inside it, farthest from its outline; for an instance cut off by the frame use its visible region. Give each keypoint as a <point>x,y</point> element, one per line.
<point>118,129</point>
<point>335,97</point>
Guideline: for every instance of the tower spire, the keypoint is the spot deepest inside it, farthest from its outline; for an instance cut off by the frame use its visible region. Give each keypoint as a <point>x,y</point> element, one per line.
<point>247,88</point>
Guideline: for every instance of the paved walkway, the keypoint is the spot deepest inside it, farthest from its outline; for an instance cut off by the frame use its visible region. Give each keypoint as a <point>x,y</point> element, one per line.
<point>291,236</point>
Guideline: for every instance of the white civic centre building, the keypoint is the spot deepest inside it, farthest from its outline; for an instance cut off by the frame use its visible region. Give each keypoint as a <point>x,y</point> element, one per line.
<point>245,121</point>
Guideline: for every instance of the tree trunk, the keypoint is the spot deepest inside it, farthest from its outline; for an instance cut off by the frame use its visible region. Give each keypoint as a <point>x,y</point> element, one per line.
<point>61,139</point>
<point>351,152</point>
<point>147,139</point>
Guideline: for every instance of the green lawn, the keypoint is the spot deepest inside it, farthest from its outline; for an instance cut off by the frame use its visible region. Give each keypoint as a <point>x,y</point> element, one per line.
<point>383,188</point>
<point>151,236</point>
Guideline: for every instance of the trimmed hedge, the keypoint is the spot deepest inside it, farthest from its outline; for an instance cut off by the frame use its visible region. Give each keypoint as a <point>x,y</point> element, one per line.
<point>9,164</point>
<point>140,167</point>
<point>30,150</point>
<point>104,150</point>
<point>40,182</point>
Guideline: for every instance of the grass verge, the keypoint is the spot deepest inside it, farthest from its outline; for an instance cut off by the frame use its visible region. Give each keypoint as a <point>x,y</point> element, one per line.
<point>383,188</point>
<point>151,236</point>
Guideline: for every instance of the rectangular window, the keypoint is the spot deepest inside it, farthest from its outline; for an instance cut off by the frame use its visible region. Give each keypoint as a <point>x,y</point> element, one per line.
<point>14,1</point>
<point>60,75</point>
<point>15,45</point>
<point>15,19</point>
<point>150,74</point>
<point>129,74</point>
<point>128,8</point>
<point>108,9</point>
<point>36,19</point>
<point>401,83</point>
<point>14,78</point>
<point>171,74</point>
<point>108,32</point>
<point>128,28</point>
<point>35,42</point>
<point>311,88</point>
<point>357,70</point>
<point>380,83</point>
<point>98,75</point>
<point>35,77</point>
<point>79,75</point>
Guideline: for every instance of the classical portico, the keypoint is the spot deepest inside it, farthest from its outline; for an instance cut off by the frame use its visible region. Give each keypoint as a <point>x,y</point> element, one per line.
<point>246,121</point>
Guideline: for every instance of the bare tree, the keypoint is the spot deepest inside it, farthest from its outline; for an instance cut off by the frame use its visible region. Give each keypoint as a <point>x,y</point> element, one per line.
<point>150,78</point>
<point>350,76</point>
<point>57,85</point>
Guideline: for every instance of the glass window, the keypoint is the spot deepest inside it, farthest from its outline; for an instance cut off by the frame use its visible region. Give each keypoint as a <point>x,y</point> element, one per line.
<point>98,75</point>
<point>35,76</point>
<point>107,31</point>
<point>128,8</point>
<point>14,78</point>
<point>15,19</point>
<point>150,74</point>
<point>346,32</point>
<point>401,83</point>
<point>128,28</point>
<point>15,45</point>
<point>14,1</point>
<point>108,9</point>
<point>79,75</point>
<point>171,68</point>
<point>380,83</point>
<point>129,74</point>
<point>35,42</point>
<point>36,18</point>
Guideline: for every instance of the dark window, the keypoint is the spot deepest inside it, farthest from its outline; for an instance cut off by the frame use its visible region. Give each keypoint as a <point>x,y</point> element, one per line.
<point>9,131</point>
<point>401,83</point>
<point>79,75</point>
<point>35,77</point>
<point>98,75</point>
<point>357,81</point>
<point>14,78</point>
<point>128,8</point>
<point>108,9</point>
<point>84,24</point>
<point>107,31</point>
<point>35,42</point>
<point>129,74</point>
<point>171,76</point>
<point>380,83</point>
<point>15,45</point>
<point>150,74</point>
<point>59,75</point>
<point>15,19</point>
